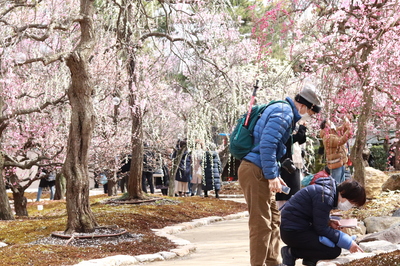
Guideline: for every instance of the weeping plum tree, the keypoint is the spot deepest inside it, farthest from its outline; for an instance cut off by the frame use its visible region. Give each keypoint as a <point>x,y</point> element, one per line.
<point>24,116</point>
<point>359,48</point>
<point>147,40</point>
<point>349,47</point>
<point>52,33</point>
<point>13,129</point>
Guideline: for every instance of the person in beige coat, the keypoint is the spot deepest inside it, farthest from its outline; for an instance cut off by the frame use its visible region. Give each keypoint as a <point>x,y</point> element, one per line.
<point>334,140</point>
<point>197,170</point>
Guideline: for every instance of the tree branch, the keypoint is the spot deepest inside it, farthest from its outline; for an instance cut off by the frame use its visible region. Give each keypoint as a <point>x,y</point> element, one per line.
<point>172,39</point>
<point>46,60</point>
<point>11,162</point>
<point>11,8</point>
<point>16,113</point>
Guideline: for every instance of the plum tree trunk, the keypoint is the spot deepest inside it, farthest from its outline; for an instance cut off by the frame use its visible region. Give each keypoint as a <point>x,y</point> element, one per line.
<point>361,137</point>
<point>20,202</point>
<point>75,170</point>
<point>357,151</point>
<point>60,187</point>
<point>134,186</point>
<point>5,208</point>
<point>397,147</point>
<point>124,35</point>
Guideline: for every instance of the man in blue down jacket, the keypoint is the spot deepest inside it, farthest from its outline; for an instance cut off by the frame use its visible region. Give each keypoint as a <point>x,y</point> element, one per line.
<point>306,227</point>
<point>259,174</point>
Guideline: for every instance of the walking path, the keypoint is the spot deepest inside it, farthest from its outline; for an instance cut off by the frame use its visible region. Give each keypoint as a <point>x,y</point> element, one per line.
<point>220,243</point>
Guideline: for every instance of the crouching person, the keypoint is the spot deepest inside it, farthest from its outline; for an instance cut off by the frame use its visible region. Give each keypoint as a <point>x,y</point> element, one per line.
<point>306,227</point>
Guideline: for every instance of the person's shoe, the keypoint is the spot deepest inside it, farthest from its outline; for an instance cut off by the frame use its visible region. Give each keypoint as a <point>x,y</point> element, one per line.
<point>309,262</point>
<point>287,258</point>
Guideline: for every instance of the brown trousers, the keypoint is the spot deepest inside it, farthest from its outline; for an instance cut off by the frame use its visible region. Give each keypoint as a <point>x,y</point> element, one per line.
<point>264,218</point>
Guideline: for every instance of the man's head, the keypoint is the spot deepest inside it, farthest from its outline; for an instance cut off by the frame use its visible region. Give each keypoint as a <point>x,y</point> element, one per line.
<point>308,101</point>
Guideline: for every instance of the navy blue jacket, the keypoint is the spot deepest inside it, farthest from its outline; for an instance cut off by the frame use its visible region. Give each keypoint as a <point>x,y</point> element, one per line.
<point>309,209</point>
<point>184,172</point>
<point>271,132</point>
<point>212,171</point>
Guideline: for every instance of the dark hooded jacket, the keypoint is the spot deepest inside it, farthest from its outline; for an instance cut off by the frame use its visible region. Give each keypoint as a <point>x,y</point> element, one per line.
<point>309,209</point>
<point>184,171</point>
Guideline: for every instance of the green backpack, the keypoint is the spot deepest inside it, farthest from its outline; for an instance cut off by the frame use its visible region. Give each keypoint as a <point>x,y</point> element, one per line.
<point>241,139</point>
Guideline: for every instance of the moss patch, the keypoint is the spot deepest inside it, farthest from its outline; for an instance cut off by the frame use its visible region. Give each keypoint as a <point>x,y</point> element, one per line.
<point>386,259</point>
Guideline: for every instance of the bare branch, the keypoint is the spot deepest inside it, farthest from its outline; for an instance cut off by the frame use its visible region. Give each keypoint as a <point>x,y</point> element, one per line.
<point>46,60</point>
<point>30,96</point>
<point>172,39</point>
<point>16,113</point>
<point>10,161</point>
<point>50,26</point>
<point>11,8</point>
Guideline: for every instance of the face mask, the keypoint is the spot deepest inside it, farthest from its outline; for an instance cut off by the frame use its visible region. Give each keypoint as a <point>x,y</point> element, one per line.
<point>305,116</point>
<point>345,206</point>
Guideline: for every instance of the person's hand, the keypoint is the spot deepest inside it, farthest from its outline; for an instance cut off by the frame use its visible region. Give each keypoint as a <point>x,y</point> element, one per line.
<point>281,180</point>
<point>355,248</point>
<point>346,122</point>
<point>275,185</point>
<point>335,224</point>
<point>302,122</point>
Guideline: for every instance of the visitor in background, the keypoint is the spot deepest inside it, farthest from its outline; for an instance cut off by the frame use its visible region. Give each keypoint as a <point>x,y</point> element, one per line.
<point>184,171</point>
<point>43,184</point>
<point>104,181</point>
<point>212,171</point>
<point>335,149</point>
<point>124,173</point>
<point>161,176</point>
<point>148,169</point>
<point>165,180</point>
<point>198,170</point>
<point>51,181</point>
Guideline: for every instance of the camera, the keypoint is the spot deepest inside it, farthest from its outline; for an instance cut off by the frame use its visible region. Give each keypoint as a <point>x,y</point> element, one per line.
<point>288,165</point>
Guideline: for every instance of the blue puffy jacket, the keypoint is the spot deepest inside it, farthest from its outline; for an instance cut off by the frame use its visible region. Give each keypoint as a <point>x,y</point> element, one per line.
<point>309,209</point>
<point>271,132</point>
